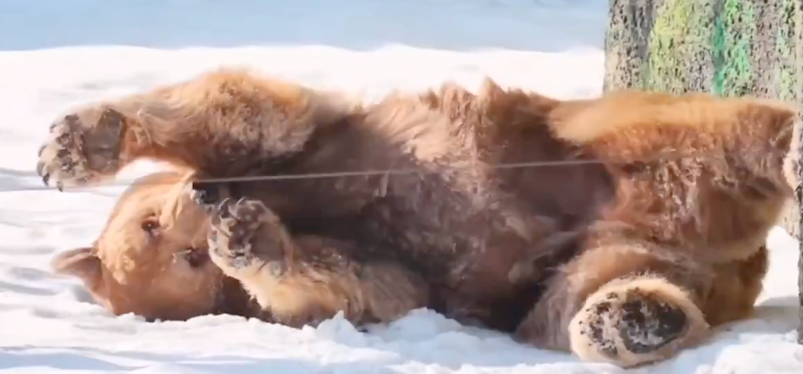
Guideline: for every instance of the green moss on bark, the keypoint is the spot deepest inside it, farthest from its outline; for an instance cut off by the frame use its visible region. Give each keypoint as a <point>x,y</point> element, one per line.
<point>681,32</point>
<point>734,29</point>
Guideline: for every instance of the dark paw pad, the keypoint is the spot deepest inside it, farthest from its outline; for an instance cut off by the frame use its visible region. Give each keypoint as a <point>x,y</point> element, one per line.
<point>640,322</point>
<point>646,324</point>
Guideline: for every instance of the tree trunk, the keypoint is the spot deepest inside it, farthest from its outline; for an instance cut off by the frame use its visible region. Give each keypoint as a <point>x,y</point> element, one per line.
<point>725,47</point>
<point>800,245</point>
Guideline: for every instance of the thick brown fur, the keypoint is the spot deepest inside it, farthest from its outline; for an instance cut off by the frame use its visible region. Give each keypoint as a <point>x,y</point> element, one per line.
<point>152,259</point>
<point>624,259</point>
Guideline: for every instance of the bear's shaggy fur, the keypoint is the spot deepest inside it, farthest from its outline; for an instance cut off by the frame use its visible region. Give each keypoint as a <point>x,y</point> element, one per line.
<point>654,233</point>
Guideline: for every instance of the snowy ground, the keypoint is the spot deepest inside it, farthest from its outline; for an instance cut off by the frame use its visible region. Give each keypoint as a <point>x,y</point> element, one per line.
<point>47,324</point>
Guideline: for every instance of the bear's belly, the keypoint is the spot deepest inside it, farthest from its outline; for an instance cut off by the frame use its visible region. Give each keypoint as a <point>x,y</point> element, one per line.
<point>466,259</point>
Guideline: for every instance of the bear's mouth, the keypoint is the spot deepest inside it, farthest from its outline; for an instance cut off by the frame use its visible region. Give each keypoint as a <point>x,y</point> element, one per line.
<point>194,257</point>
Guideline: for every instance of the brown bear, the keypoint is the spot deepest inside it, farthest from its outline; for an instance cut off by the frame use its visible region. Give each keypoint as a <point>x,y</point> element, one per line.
<point>152,260</point>
<point>651,231</point>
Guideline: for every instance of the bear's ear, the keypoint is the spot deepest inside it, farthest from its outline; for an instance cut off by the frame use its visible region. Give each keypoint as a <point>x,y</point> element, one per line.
<point>79,262</point>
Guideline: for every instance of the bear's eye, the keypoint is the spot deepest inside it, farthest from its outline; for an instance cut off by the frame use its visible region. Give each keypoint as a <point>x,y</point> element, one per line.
<point>150,226</point>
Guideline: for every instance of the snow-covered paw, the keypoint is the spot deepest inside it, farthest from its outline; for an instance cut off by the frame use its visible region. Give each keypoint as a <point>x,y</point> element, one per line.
<point>633,324</point>
<point>83,148</point>
<point>246,236</point>
<point>642,324</point>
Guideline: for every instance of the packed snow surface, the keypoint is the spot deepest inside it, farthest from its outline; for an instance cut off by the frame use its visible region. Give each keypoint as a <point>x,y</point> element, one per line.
<point>56,54</point>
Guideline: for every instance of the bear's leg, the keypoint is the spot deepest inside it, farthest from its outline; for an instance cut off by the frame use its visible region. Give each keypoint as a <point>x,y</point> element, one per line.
<point>307,279</point>
<point>627,304</point>
<point>222,123</point>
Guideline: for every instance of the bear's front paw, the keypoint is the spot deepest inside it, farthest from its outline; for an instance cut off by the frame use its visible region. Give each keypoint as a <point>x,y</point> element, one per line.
<point>635,322</point>
<point>246,236</point>
<point>83,149</point>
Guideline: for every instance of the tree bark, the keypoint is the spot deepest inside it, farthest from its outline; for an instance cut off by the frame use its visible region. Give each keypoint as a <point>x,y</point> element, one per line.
<point>799,193</point>
<point>724,47</point>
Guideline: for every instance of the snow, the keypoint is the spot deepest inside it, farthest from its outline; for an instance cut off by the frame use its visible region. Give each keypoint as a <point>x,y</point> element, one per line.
<point>55,54</point>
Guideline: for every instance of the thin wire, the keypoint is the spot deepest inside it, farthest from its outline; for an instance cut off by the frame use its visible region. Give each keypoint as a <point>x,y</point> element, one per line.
<point>359,173</point>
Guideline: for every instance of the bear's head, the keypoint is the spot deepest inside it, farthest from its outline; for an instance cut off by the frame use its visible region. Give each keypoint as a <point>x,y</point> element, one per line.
<point>151,257</point>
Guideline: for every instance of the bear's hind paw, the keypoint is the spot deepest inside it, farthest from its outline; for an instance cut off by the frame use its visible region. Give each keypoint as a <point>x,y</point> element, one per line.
<point>642,325</point>
<point>634,325</point>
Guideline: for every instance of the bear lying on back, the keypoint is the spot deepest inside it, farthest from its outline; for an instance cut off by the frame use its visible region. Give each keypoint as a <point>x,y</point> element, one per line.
<point>650,248</point>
